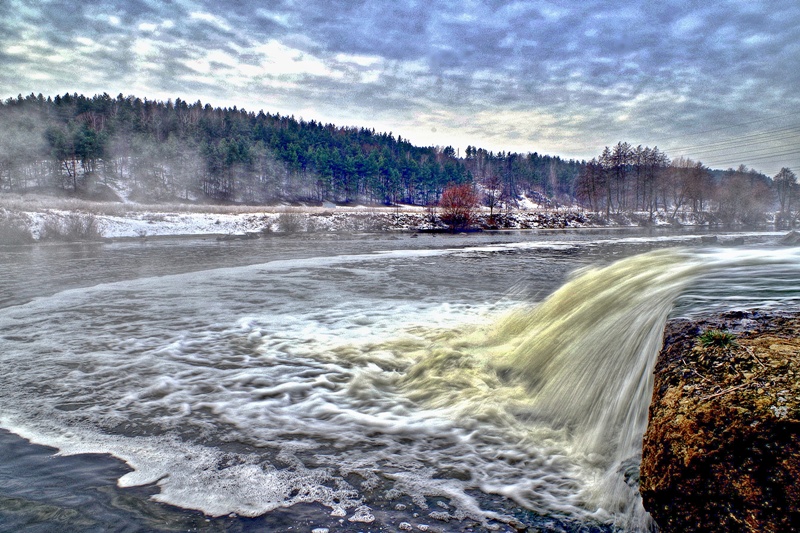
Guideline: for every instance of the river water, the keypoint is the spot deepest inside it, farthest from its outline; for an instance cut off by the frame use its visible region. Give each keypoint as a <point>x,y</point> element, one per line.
<point>348,383</point>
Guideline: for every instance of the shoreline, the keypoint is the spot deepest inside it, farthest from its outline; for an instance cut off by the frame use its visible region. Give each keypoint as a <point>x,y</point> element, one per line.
<point>46,225</point>
<point>222,238</point>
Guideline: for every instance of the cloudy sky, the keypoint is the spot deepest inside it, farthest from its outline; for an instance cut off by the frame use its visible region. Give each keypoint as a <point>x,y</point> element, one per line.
<point>714,80</point>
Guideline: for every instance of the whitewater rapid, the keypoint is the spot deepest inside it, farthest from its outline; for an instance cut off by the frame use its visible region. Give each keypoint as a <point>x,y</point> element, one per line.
<point>346,382</point>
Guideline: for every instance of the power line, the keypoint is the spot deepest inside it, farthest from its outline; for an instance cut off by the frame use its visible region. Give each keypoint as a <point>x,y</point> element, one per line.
<point>733,142</point>
<point>758,158</point>
<point>722,128</point>
<point>777,145</point>
<point>743,152</point>
<point>733,162</point>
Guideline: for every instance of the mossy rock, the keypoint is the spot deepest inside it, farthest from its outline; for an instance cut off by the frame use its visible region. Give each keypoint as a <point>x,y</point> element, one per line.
<point>722,447</point>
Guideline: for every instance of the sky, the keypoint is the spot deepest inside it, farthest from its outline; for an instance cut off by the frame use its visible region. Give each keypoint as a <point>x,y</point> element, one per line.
<point>717,81</point>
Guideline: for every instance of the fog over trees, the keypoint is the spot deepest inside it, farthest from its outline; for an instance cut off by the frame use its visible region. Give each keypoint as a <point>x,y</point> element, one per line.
<point>626,178</point>
<point>181,151</point>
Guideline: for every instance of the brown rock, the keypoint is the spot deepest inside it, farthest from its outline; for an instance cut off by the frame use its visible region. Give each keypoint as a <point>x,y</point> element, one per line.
<point>722,447</point>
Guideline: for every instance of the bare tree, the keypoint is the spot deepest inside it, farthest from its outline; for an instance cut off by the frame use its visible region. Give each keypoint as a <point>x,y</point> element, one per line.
<point>743,196</point>
<point>458,204</point>
<point>785,182</point>
<point>621,162</point>
<point>492,191</point>
<point>589,183</point>
<point>687,180</point>
<point>607,166</point>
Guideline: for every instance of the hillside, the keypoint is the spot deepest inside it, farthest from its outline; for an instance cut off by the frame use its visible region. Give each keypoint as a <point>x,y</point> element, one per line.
<point>153,151</point>
<point>166,151</point>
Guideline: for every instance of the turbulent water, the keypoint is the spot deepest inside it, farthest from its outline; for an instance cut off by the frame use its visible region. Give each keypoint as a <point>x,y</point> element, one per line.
<point>366,383</point>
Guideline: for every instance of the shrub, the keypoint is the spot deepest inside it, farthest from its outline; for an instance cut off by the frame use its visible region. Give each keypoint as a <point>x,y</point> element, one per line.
<point>14,228</point>
<point>718,338</point>
<point>290,222</point>
<point>458,204</point>
<point>72,227</point>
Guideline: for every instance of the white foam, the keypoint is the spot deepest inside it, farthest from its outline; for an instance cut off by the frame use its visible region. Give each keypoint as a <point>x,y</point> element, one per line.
<point>170,374</point>
<point>177,367</point>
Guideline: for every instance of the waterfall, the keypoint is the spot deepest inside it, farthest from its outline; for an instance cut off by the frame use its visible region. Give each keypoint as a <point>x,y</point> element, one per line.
<point>332,386</point>
<point>581,363</point>
<point>587,352</point>
<point>586,356</point>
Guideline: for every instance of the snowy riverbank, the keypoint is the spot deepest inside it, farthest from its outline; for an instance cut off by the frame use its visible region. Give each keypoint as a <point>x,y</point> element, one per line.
<point>49,223</point>
<point>25,221</point>
<point>299,221</point>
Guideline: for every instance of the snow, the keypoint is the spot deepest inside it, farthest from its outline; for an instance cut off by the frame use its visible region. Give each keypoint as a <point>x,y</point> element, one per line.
<point>130,220</point>
<point>163,224</point>
<point>298,220</point>
<point>157,224</point>
<point>526,204</point>
<point>284,220</point>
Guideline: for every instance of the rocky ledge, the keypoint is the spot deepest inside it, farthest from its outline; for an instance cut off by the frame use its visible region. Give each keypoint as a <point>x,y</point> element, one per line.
<point>722,447</point>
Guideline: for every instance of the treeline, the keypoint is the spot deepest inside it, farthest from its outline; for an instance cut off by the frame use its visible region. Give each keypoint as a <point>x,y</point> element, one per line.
<point>168,150</point>
<point>510,175</point>
<point>176,150</point>
<point>626,178</point>
<point>179,150</point>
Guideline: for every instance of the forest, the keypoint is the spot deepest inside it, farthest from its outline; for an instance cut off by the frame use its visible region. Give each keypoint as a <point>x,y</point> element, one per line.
<point>193,152</point>
<point>180,151</point>
<point>640,179</point>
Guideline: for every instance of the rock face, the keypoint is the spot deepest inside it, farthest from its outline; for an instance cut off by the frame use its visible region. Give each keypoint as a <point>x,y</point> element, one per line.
<point>722,447</point>
<point>790,239</point>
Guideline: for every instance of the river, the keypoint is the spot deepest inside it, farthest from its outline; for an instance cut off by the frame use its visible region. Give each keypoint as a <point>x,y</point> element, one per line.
<point>348,383</point>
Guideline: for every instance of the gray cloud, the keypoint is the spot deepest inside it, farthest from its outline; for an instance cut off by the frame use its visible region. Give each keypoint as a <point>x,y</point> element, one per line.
<point>641,72</point>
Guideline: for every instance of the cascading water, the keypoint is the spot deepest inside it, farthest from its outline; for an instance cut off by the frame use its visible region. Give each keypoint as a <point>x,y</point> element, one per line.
<point>579,363</point>
<point>232,398</point>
